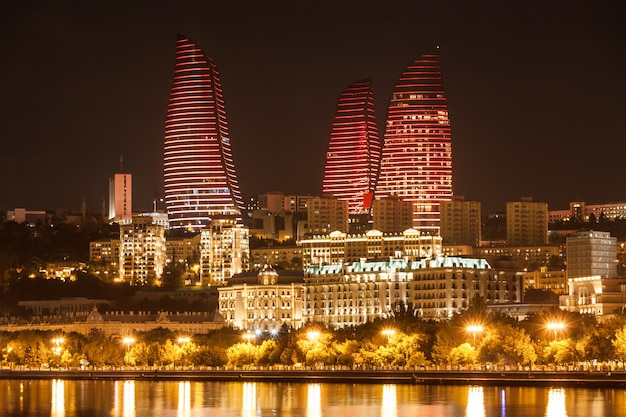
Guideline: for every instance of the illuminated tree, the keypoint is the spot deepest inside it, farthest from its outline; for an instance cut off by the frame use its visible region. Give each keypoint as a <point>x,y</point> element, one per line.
<point>464,354</point>
<point>242,354</point>
<point>620,343</point>
<point>563,351</point>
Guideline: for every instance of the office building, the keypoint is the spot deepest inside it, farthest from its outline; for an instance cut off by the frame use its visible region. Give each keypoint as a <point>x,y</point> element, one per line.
<point>120,198</point>
<point>416,162</point>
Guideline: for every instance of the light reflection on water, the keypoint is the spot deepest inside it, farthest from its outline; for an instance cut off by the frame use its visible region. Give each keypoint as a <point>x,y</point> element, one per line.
<point>59,398</point>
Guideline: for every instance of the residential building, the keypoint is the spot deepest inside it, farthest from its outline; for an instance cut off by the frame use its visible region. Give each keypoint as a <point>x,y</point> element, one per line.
<point>325,215</point>
<point>591,253</point>
<point>392,214</point>
<point>142,251</point>
<point>199,172</point>
<point>353,154</point>
<point>526,223</point>
<point>224,251</point>
<point>461,222</point>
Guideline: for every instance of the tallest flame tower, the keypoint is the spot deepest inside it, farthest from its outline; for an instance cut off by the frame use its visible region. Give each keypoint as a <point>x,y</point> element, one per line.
<point>199,173</point>
<point>416,163</point>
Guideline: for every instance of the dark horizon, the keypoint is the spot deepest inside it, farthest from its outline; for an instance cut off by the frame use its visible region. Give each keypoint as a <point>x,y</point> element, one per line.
<point>535,94</point>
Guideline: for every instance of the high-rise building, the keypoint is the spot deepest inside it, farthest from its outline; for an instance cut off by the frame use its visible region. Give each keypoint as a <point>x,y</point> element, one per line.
<point>326,215</point>
<point>460,222</point>
<point>224,251</point>
<point>526,223</point>
<point>199,173</point>
<point>142,251</point>
<point>120,197</point>
<point>591,253</point>
<point>392,214</point>
<point>416,162</point>
<point>353,155</point>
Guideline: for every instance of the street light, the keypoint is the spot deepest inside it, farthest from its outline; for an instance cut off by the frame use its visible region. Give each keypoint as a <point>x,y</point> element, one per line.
<point>389,333</point>
<point>128,341</point>
<point>57,341</point>
<point>473,329</point>
<point>555,326</point>
<point>183,340</point>
<point>249,336</point>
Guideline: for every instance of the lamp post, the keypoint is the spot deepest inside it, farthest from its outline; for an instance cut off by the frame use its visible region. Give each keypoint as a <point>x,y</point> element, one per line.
<point>248,336</point>
<point>473,329</point>
<point>555,326</point>
<point>57,342</point>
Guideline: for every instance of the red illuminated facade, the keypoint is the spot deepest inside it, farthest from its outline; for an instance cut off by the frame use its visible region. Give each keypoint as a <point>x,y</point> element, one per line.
<point>199,173</point>
<point>416,162</point>
<point>353,155</point>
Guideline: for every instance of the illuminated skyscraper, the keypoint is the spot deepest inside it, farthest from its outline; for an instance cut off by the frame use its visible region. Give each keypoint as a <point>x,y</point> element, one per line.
<point>416,160</point>
<point>199,173</point>
<point>353,156</point>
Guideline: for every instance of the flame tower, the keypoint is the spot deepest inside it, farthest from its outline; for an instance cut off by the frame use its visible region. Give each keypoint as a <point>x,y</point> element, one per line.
<point>416,163</point>
<point>199,173</point>
<point>353,155</point>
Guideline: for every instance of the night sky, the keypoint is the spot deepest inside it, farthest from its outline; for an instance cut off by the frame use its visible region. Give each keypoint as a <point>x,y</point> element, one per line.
<point>536,92</point>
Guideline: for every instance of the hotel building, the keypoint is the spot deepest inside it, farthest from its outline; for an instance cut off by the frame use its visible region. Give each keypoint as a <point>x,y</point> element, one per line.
<point>199,172</point>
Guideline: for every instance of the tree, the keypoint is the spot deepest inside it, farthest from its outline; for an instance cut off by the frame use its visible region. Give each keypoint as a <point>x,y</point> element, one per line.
<point>464,354</point>
<point>620,343</point>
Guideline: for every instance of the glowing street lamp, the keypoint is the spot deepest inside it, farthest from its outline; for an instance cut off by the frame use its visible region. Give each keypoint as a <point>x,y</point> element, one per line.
<point>249,336</point>
<point>389,333</point>
<point>555,326</point>
<point>473,329</point>
<point>183,340</point>
<point>57,341</point>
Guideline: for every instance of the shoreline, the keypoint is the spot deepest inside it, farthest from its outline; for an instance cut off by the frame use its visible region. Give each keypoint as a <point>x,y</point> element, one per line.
<point>417,377</point>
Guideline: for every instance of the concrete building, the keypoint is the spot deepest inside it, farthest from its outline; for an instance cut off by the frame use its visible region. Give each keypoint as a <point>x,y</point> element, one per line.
<point>263,301</point>
<point>392,214</point>
<point>142,251</point>
<point>354,293</point>
<point>545,279</point>
<point>460,222</point>
<point>287,257</point>
<point>325,215</point>
<point>338,247</point>
<point>526,223</point>
<point>224,251</point>
<point>591,253</point>
<point>582,212</point>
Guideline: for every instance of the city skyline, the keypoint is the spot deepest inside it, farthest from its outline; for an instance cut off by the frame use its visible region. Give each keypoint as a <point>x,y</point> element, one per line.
<point>535,97</point>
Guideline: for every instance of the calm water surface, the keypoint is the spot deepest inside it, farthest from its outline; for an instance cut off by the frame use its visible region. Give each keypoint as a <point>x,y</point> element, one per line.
<point>250,399</point>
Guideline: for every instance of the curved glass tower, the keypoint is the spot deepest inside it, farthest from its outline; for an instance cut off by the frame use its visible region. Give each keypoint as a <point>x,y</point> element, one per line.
<point>353,155</point>
<point>199,173</point>
<point>416,163</point>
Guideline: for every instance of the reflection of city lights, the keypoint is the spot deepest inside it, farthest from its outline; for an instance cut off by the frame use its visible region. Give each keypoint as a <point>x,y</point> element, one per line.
<point>58,398</point>
<point>248,406</point>
<point>475,402</point>
<point>314,401</point>
<point>389,407</point>
<point>128,408</point>
<point>184,399</point>
<point>556,403</point>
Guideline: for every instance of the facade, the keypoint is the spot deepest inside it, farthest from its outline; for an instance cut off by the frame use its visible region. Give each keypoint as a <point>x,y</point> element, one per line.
<point>353,155</point>
<point>263,301</point>
<point>104,252</point>
<point>526,223</point>
<point>142,251</point>
<point>392,214</point>
<point>120,197</point>
<point>199,172</point>
<point>461,222</point>
<point>352,294</point>
<point>545,279</point>
<point>287,257</point>
<point>325,215</point>
<point>183,249</point>
<point>224,251</point>
<point>591,253</point>
<point>416,162</point>
<point>581,211</point>
<point>338,247</point>
<point>595,295</point>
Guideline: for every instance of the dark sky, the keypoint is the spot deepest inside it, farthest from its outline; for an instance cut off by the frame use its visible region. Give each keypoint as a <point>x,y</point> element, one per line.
<point>536,91</point>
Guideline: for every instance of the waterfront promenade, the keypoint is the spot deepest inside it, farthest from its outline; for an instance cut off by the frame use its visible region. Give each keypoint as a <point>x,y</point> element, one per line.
<point>395,376</point>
